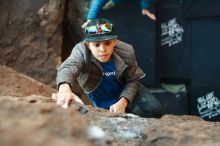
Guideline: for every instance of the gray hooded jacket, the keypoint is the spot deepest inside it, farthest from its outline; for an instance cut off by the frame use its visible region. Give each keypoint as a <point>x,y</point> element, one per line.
<point>82,69</point>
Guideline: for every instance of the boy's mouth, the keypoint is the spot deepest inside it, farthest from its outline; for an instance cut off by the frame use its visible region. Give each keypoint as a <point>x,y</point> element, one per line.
<point>104,55</point>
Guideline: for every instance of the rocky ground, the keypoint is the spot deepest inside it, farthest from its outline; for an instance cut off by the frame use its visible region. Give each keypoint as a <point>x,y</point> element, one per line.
<point>29,117</point>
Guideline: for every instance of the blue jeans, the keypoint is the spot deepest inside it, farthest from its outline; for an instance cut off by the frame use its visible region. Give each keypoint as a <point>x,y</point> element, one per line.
<point>145,104</point>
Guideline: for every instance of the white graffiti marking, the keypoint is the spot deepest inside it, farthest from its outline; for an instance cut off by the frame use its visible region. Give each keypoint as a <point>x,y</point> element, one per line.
<point>208,105</point>
<point>172,33</point>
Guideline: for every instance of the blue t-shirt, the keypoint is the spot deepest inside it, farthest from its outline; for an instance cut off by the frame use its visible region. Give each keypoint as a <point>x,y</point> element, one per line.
<point>109,89</point>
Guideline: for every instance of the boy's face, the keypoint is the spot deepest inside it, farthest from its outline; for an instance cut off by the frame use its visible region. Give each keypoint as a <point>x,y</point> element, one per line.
<point>102,50</point>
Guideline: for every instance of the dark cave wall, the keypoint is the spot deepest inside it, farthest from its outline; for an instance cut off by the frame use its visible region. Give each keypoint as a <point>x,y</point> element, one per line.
<point>73,19</point>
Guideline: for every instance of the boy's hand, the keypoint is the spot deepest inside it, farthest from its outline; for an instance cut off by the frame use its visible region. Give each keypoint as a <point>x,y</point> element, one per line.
<point>110,4</point>
<point>65,95</point>
<point>149,14</point>
<point>119,107</point>
<point>85,24</point>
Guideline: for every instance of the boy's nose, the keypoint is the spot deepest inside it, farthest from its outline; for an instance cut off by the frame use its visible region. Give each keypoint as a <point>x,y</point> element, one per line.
<point>102,48</point>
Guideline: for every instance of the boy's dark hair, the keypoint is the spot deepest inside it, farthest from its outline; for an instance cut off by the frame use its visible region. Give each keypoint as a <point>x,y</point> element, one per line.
<point>99,29</point>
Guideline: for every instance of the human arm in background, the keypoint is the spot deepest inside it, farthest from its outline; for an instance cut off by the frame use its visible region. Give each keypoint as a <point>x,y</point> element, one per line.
<point>94,10</point>
<point>97,5</point>
<point>145,4</point>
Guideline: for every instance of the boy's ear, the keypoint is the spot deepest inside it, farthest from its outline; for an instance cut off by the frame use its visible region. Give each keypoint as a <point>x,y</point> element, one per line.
<point>87,45</point>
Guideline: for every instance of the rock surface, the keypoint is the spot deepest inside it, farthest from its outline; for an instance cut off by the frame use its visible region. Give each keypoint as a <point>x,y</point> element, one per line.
<point>31,36</point>
<point>35,36</point>
<point>36,120</point>
<point>15,84</point>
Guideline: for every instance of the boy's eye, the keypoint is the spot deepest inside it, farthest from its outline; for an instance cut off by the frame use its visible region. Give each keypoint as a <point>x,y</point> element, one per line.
<point>97,45</point>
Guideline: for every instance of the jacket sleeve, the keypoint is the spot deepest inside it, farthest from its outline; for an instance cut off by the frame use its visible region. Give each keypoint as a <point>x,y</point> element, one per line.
<point>95,8</point>
<point>145,4</point>
<point>70,68</point>
<point>130,90</point>
<point>132,75</point>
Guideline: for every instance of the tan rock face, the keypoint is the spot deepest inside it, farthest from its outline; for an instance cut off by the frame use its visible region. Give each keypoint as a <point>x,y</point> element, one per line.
<point>15,84</point>
<point>40,124</point>
<point>35,36</point>
<point>31,36</point>
<point>37,120</point>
